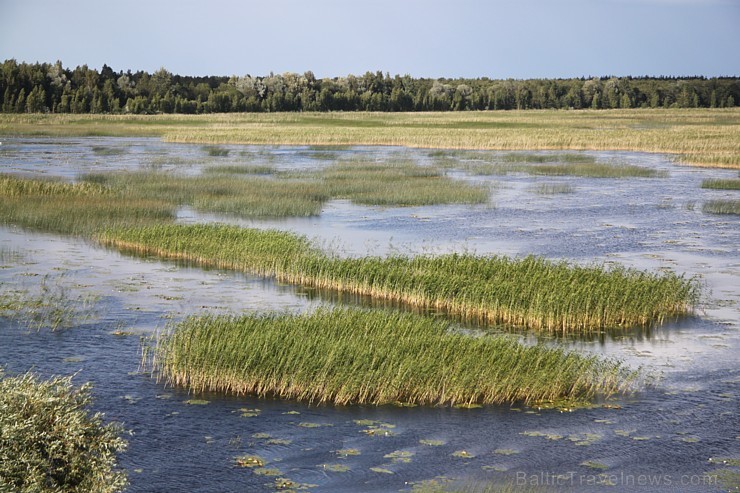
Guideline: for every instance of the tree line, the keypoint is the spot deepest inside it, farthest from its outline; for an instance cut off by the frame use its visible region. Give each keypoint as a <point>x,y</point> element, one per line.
<point>52,88</point>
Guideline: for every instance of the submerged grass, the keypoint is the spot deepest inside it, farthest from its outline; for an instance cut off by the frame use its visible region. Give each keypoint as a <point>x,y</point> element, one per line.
<point>346,356</point>
<point>50,305</point>
<point>526,292</point>
<point>74,208</point>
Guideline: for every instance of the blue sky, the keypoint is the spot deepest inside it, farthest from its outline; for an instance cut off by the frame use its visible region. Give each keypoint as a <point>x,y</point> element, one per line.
<point>424,38</point>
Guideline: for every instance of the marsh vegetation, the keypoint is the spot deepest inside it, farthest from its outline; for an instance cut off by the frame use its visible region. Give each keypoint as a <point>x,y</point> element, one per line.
<point>696,136</point>
<point>353,356</point>
<point>385,355</point>
<point>527,292</point>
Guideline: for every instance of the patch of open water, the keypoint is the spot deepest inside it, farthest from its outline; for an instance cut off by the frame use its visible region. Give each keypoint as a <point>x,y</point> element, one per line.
<point>664,434</point>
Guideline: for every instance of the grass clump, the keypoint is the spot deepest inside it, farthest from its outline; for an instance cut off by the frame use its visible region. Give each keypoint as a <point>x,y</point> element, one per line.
<point>722,184</point>
<point>581,169</point>
<point>398,184</point>
<point>345,356</point>
<point>722,207</point>
<point>50,442</point>
<point>704,137</point>
<point>74,208</point>
<point>527,292</point>
<point>553,188</point>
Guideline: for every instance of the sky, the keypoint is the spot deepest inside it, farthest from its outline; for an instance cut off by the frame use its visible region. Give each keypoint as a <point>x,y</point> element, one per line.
<point>498,39</point>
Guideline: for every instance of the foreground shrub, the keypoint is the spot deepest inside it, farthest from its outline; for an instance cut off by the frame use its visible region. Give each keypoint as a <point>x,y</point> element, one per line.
<point>49,441</point>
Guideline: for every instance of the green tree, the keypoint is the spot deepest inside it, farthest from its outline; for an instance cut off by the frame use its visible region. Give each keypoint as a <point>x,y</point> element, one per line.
<point>36,101</point>
<point>20,102</point>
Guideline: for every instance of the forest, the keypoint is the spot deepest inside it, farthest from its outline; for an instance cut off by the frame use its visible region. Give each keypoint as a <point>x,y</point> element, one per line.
<point>52,88</point>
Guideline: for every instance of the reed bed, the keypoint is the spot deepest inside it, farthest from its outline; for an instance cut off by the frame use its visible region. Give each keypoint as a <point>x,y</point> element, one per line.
<point>251,196</point>
<point>526,292</point>
<point>586,169</point>
<point>703,137</point>
<point>354,356</point>
<point>722,207</point>
<point>74,208</point>
<point>722,184</point>
<point>398,184</point>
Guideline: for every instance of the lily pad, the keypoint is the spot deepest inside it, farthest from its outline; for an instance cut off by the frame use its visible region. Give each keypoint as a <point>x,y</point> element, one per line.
<point>306,424</point>
<point>463,454</point>
<point>505,451</point>
<point>245,412</point>
<point>347,452</point>
<point>432,443</point>
<point>250,461</point>
<point>592,464</point>
<point>197,402</point>
<point>725,461</point>
<point>400,456</point>
<point>278,441</point>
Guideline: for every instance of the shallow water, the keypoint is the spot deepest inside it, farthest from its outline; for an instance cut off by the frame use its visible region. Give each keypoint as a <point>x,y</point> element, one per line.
<point>665,434</point>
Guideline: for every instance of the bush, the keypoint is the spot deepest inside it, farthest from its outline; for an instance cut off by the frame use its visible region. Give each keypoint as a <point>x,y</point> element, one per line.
<point>49,442</point>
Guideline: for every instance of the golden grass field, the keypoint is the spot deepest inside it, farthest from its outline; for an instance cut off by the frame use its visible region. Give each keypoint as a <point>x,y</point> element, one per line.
<point>701,137</point>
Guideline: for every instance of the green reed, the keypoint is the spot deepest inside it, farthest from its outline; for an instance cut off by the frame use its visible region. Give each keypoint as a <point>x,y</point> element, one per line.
<point>398,183</point>
<point>528,292</point>
<point>354,356</point>
<point>585,169</point>
<point>722,207</point>
<point>722,184</point>
<point>74,208</point>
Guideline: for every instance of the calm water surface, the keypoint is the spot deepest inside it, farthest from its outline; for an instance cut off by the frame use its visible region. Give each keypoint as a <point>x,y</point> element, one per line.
<point>665,434</point>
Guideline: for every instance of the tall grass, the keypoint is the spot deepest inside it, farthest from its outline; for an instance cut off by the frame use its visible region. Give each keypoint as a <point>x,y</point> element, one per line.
<point>722,207</point>
<point>583,169</point>
<point>722,184</point>
<point>353,356</point>
<point>74,208</point>
<point>706,137</point>
<point>401,183</point>
<point>553,188</point>
<point>527,292</point>
<point>252,196</point>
